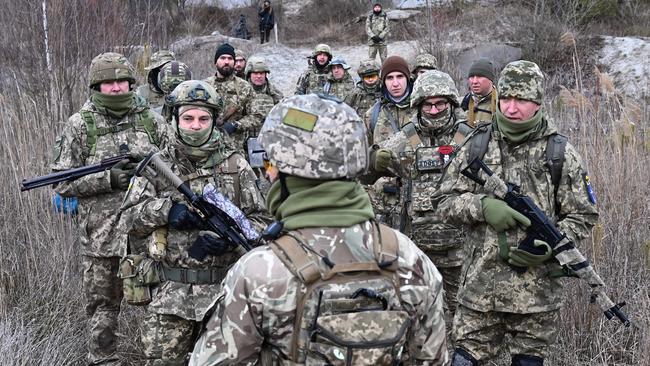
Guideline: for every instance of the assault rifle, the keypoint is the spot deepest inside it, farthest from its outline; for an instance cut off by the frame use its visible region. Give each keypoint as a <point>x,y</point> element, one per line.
<point>72,174</point>
<point>542,228</point>
<point>219,214</point>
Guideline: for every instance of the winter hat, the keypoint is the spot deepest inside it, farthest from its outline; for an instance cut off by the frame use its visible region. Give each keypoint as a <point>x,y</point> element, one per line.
<point>523,80</point>
<point>482,67</point>
<point>224,49</point>
<point>395,63</point>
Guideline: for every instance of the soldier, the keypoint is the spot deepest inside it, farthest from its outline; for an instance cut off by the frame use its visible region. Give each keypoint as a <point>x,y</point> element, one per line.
<point>313,80</point>
<point>172,74</point>
<point>266,95</point>
<point>481,101</point>
<point>339,82</point>
<point>151,91</point>
<point>266,21</point>
<point>377,29</point>
<point>193,262</point>
<point>264,310</point>
<point>367,91</point>
<point>113,121</point>
<point>240,64</point>
<point>493,298</point>
<point>239,119</point>
<point>425,147</point>
<point>423,63</point>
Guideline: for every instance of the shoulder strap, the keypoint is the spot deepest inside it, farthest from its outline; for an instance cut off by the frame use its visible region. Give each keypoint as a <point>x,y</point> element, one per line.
<point>374,116</point>
<point>555,149</point>
<point>465,103</point>
<point>145,119</point>
<point>91,131</point>
<point>290,252</point>
<point>386,248</point>
<point>479,144</point>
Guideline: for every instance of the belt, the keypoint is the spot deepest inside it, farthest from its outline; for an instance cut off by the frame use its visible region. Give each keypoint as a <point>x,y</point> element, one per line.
<point>194,276</point>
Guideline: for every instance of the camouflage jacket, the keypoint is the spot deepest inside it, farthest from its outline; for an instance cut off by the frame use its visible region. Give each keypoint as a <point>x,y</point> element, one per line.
<point>265,98</point>
<point>100,235</point>
<point>146,207</point>
<point>390,120</point>
<point>488,283</point>
<point>312,81</point>
<point>377,25</point>
<point>257,303</point>
<point>480,109</point>
<point>341,88</point>
<point>361,98</point>
<point>238,98</point>
<point>421,175</point>
<point>153,97</point>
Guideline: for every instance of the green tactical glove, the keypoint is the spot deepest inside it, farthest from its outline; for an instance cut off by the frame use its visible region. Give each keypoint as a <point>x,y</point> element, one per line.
<point>522,258</point>
<point>121,174</point>
<point>500,216</point>
<point>382,160</point>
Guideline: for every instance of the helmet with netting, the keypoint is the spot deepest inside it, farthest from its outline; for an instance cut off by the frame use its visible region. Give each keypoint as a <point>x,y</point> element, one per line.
<point>160,58</point>
<point>172,74</point>
<point>195,92</point>
<point>315,136</point>
<point>256,64</point>
<point>425,61</point>
<point>434,83</point>
<point>110,66</point>
<point>367,67</point>
<point>322,48</point>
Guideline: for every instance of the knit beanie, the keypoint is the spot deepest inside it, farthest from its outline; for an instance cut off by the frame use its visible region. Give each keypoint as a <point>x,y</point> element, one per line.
<point>522,79</point>
<point>395,63</point>
<point>224,49</point>
<point>482,67</point>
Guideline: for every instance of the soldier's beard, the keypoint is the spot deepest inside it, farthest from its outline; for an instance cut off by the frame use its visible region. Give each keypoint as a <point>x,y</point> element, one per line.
<point>225,71</point>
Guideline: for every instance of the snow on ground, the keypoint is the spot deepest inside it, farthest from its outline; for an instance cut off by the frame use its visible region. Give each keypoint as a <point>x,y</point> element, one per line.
<point>626,60</point>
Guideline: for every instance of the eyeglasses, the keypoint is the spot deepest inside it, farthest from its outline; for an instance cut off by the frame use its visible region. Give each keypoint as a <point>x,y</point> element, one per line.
<point>440,105</point>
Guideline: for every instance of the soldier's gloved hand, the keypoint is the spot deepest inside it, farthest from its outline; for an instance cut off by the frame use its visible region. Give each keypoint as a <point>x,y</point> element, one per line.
<point>523,258</point>
<point>206,244</point>
<point>230,127</point>
<point>121,174</point>
<point>376,39</point>
<point>500,216</point>
<point>180,217</point>
<point>382,160</point>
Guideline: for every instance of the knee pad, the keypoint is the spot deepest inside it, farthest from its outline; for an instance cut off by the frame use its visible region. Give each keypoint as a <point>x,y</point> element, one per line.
<point>526,360</point>
<point>463,358</point>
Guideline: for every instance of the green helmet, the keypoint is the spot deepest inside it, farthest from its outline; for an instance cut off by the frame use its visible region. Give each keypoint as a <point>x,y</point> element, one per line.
<point>425,61</point>
<point>160,58</point>
<point>256,64</point>
<point>434,83</point>
<point>172,74</point>
<point>367,67</point>
<point>195,92</point>
<point>110,66</point>
<point>316,137</point>
<point>322,48</point>
<point>522,79</point>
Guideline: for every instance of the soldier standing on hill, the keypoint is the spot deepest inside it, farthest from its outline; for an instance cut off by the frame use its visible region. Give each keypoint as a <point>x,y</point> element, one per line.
<point>481,101</point>
<point>377,29</point>
<point>267,21</point>
<point>113,121</point>
<point>151,91</point>
<point>313,80</point>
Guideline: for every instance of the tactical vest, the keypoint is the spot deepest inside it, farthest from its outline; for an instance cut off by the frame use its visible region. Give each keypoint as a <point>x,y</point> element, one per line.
<point>145,120</point>
<point>351,313</point>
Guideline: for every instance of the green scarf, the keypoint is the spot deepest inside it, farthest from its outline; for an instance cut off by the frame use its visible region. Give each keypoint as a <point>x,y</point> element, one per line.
<point>114,105</point>
<point>518,132</point>
<point>316,203</point>
<point>213,152</point>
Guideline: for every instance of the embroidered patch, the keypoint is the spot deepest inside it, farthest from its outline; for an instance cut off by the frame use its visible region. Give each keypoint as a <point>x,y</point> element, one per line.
<point>591,195</point>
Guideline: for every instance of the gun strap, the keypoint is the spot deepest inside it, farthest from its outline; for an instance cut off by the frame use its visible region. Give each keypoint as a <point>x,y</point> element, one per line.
<point>374,116</point>
<point>145,119</point>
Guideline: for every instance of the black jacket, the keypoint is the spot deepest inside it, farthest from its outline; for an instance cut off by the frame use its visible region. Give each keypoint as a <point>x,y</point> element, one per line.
<point>266,18</point>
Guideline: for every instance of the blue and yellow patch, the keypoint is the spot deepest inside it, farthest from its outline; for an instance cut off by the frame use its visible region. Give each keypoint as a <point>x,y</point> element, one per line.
<point>591,195</point>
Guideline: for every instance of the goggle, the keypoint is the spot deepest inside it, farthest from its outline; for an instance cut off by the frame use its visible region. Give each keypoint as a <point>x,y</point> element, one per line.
<point>370,78</point>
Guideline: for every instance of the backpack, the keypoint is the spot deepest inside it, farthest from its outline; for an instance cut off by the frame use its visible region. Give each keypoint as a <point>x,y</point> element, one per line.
<point>145,119</point>
<point>351,314</point>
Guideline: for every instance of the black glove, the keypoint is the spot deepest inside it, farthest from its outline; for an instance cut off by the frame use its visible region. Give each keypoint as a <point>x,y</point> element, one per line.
<point>208,244</point>
<point>180,217</point>
<point>376,39</point>
<point>230,127</point>
<point>121,174</point>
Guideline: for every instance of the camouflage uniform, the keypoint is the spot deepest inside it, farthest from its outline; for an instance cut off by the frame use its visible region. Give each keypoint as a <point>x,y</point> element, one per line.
<point>179,304</point>
<point>266,96</point>
<point>256,311</point>
<point>481,107</point>
<point>102,242</point>
<point>241,55</point>
<point>152,92</point>
<point>341,88</point>
<point>377,25</point>
<point>171,74</point>
<point>493,298</point>
<point>363,96</point>
<point>424,61</point>
<point>314,79</point>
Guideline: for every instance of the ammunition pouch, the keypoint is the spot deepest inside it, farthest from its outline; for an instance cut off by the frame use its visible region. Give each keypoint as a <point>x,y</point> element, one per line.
<point>432,236</point>
<point>138,273</point>
<point>206,276</point>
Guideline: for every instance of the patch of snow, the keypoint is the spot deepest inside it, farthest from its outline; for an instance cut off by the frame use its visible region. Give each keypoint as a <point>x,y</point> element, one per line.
<point>626,60</point>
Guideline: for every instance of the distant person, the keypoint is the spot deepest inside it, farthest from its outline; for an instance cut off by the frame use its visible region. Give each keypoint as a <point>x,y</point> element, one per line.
<point>423,63</point>
<point>313,80</point>
<point>368,90</point>
<point>240,64</point>
<point>377,29</point>
<point>266,95</point>
<point>340,81</point>
<point>267,21</point>
<point>481,101</point>
<point>151,91</point>
<point>241,29</point>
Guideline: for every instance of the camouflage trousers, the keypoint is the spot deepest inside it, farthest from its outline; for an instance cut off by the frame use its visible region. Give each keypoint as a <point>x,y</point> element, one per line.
<point>451,282</point>
<point>103,295</point>
<point>168,339</point>
<point>375,49</point>
<point>481,334</point>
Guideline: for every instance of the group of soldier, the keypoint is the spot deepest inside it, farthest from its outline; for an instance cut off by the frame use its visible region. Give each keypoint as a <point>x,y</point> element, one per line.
<point>386,253</point>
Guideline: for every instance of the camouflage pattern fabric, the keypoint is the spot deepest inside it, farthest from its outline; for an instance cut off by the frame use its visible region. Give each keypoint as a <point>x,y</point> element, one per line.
<point>481,108</point>
<point>100,219</point>
<point>362,97</point>
<point>260,293</point>
<point>166,339</point>
<point>312,81</point>
<point>172,74</point>
<point>377,25</point>
<point>340,88</point>
<point>238,98</point>
<point>424,61</point>
<point>434,83</point>
<point>265,98</point>
<point>390,115</point>
<point>480,333</point>
<point>159,59</point>
<point>110,66</point>
<point>155,99</point>
<point>377,49</point>
<point>522,79</point>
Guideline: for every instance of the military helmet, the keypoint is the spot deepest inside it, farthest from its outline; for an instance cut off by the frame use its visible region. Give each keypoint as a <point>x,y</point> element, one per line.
<point>367,67</point>
<point>160,58</point>
<point>425,61</point>
<point>338,60</point>
<point>110,66</point>
<point>522,79</point>
<point>172,74</point>
<point>315,136</point>
<point>240,53</point>
<point>322,48</point>
<point>256,64</point>
<point>195,92</point>
<point>434,83</point>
